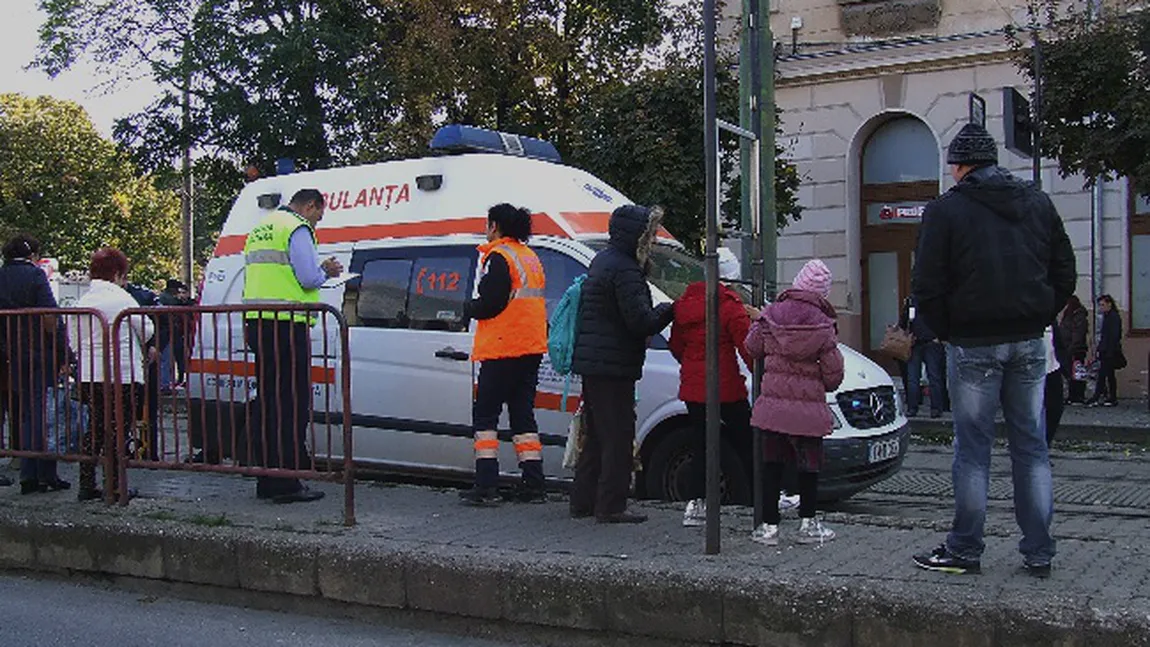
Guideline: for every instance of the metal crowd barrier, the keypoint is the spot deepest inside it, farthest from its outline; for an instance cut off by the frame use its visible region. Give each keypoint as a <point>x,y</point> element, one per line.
<point>46,355</point>
<point>239,371</point>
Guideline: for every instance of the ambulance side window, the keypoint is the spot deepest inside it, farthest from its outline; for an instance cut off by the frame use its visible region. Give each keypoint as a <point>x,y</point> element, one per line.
<point>439,287</point>
<point>383,289</point>
<point>419,288</point>
<point>559,270</point>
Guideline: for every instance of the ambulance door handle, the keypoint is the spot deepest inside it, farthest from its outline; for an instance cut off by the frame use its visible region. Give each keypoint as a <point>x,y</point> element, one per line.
<point>451,353</point>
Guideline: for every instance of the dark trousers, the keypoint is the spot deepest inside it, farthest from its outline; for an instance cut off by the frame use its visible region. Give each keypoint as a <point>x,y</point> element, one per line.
<point>773,486</point>
<point>96,437</point>
<point>1052,399</point>
<point>281,411</point>
<point>736,417</point>
<point>31,391</point>
<point>933,355</point>
<point>603,471</point>
<point>1106,389</point>
<point>510,381</point>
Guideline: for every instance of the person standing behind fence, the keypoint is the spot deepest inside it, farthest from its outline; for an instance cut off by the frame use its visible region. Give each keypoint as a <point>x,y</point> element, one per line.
<point>109,273</point>
<point>1074,329</point>
<point>1109,354</point>
<point>798,340</point>
<point>615,319</point>
<point>33,346</point>
<point>992,269</point>
<point>282,267</point>
<point>172,333</point>
<point>510,340</point>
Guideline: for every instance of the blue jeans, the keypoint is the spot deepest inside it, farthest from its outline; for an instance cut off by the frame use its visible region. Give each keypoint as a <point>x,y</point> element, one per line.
<point>982,378</point>
<point>933,354</point>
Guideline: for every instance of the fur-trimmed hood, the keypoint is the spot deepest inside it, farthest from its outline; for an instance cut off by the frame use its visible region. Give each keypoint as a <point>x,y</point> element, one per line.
<point>633,230</point>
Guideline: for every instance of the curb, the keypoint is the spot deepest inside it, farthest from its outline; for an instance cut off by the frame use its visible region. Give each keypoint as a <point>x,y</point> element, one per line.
<point>603,595</point>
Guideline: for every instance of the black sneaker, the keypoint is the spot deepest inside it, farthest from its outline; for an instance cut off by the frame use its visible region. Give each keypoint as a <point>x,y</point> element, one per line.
<point>481,497</point>
<point>1041,571</point>
<point>524,494</point>
<point>942,561</point>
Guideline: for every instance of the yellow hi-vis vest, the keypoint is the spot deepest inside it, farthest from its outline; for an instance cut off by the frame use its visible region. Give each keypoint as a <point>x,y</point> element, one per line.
<point>268,276</point>
<point>521,329</point>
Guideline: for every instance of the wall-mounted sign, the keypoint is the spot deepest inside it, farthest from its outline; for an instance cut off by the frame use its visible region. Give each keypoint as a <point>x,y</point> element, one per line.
<point>900,213</point>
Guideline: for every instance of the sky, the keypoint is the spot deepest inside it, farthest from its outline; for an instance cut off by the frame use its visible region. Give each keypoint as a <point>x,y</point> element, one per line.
<point>83,84</point>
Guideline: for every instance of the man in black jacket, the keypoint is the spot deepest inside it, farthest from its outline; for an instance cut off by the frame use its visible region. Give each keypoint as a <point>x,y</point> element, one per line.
<point>615,319</point>
<point>993,268</point>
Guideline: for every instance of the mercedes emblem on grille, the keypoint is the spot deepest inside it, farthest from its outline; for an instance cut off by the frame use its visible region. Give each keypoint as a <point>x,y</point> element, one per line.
<point>877,406</point>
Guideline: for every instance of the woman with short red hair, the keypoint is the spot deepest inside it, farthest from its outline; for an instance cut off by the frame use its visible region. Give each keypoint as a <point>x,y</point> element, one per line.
<point>109,273</point>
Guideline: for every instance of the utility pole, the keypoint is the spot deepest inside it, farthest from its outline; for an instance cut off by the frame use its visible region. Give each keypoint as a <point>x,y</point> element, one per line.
<point>710,144</point>
<point>187,231</point>
<point>757,114</point>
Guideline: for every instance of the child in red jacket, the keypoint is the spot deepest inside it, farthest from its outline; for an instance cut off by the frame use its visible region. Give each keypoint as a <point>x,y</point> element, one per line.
<point>688,345</point>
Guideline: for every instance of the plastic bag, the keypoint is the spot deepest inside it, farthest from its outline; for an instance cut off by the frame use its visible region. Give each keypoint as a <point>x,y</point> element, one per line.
<point>66,420</point>
<point>574,439</point>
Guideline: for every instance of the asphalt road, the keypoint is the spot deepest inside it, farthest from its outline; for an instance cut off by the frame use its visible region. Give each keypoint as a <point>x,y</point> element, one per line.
<point>62,614</point>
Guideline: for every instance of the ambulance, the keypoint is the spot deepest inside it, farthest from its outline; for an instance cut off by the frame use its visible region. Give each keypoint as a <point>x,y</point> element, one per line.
<point>410,230</point>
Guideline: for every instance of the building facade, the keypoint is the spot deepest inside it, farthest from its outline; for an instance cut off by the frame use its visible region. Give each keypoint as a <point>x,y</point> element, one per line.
<point>872,91</point>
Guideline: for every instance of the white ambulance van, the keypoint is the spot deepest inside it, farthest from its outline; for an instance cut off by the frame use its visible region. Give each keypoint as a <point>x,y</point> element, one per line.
<point>410,230</point>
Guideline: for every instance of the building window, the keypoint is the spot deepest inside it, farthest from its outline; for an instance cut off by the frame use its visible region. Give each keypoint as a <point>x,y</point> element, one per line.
<point>1139,263</point>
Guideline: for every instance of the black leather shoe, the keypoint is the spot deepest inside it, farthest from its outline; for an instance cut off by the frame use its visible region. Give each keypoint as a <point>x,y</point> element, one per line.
<point>32,487</point>
<point>86,494</point>
<point>53,486</point>
<point>622,517</point>
<point>580,514</point>
<point>302,495</point>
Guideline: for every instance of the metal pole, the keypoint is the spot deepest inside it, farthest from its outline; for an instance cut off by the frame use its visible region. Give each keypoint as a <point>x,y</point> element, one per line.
<point>754,177</point>
<point>186,240</point>
<point>765,59</point>
<point>1036,121</point>
<point>710,129</point>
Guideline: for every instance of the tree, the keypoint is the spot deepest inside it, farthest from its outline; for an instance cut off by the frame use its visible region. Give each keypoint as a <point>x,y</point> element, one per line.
<point>64,183</point>
<point>645,136</point>
<point>304,79</point>
<point>1095,108</point>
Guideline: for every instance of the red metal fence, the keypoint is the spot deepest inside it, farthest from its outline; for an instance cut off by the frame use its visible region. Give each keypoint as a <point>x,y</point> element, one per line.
<point>268,391</point>
<point>46,357</point>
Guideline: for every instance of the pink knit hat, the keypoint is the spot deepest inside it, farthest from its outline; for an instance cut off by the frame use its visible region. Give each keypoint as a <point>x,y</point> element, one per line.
<point>814,277</point>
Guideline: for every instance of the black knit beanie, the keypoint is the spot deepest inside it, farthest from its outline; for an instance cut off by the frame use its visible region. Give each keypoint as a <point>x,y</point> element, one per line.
<point>972,146</point>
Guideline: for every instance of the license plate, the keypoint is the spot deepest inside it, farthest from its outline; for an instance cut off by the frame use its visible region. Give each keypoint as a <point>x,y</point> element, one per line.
<point>883,450</point>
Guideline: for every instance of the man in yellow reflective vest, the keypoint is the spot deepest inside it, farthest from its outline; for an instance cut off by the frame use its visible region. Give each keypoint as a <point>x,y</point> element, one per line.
<point>282,266</point>
<point>510,340</point>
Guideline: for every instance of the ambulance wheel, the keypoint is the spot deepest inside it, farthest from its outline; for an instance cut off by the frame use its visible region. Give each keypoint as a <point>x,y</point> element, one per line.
<point>667,473</point>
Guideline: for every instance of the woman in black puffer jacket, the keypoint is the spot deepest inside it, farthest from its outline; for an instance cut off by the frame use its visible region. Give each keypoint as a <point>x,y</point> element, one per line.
<point>1074,329</point>
<point>615,319</point>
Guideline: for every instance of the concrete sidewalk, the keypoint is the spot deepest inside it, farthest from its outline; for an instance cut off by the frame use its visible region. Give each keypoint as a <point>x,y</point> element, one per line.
<point>417,548</point>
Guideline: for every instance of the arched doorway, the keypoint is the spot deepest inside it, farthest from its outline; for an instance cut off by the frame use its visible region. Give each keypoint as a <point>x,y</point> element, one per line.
<point>900,171</point>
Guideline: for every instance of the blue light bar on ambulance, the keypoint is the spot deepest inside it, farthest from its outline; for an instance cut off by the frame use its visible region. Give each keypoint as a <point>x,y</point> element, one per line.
<point>457,138</point>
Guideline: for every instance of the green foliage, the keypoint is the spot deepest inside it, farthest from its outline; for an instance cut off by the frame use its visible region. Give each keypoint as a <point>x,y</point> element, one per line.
<point>1096,88</point>
<point>615,84</point>
<point>64,183</point>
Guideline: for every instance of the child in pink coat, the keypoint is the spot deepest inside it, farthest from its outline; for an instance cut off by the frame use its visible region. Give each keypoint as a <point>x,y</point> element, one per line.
<point>797,337</point>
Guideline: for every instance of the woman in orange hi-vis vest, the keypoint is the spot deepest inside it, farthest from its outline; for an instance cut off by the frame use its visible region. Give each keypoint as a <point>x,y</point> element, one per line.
<point>510,340</point>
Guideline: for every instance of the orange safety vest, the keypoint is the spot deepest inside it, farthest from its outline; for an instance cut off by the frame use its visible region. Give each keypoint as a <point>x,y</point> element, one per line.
<point>521,329</point>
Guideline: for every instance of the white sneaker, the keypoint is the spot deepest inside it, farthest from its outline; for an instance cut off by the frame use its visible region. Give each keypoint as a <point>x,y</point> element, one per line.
<point>696,513</point>
<point>788,502</point>
<point>766,534</point>
<point>812,531</point>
